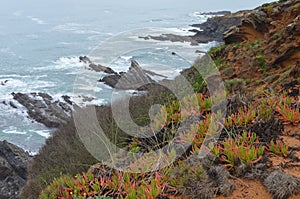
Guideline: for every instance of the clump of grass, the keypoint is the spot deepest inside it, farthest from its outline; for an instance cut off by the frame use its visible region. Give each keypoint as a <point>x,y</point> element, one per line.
<point>282,185</point>
<point>195,182</point>
<point>261,63</point>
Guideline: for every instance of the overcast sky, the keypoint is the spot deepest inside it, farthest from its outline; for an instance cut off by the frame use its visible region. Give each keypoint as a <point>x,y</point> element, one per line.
<point>199,5</point>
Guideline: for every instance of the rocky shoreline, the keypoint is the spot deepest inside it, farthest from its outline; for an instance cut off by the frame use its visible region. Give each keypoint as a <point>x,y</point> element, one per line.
<point>236,28</point>
<point>42,108</point>
<point>211,30</point>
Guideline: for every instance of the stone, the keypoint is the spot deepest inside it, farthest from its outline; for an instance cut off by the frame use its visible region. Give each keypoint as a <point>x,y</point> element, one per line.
<point>13,169</point>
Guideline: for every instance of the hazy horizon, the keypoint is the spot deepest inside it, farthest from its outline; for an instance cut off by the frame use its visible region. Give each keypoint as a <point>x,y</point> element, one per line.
<point>67,5</point>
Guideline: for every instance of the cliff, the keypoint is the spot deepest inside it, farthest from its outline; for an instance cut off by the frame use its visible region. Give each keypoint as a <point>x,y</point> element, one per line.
<point>257,153</point>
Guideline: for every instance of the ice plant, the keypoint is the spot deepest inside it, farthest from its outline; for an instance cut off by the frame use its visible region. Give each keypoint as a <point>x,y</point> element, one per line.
<point>242,149</point>
<point>288,114</point>
<point>278,148</point>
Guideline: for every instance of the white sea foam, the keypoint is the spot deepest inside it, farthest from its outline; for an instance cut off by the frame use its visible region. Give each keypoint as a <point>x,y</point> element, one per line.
<point>126,58</point>
<point>43,133</point>
<point>13,83</point>
<point>41,84</point>
<point>13,130</point>
<point>17,13</point>
<point>68,62</point>
<point>65,43</point>
<point>87,100</point>
<point>201,16</point>
<point>89,88</point>
<point>32,36</point>
<point>181,31</point>
<point>75,28</point>
<point>63,63</point>
<point>7,51</point>
<point>36,20</point>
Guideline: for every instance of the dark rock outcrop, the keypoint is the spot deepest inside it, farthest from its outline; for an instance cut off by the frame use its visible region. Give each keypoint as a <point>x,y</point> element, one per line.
<point>111,80</point>
<point>175,38</point>
<point>134,78</point>
<point>216,13</point>
<point>13,169</point>
<point>96,67</point>
<point>44,109</point>
<point>211,30</point>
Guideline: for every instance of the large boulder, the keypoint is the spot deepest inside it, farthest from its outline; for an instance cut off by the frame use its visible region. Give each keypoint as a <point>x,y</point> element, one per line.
<point>13,169</point>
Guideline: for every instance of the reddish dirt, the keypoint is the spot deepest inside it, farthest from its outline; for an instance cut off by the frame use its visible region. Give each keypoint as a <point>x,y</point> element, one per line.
<point>291,141</point>
<point>251,189</point>
<point>292,130</point>
<point>248,189</point>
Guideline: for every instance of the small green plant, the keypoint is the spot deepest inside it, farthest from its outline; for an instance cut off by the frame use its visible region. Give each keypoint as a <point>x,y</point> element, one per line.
<point>243,117</point>
<point>262,64</point>
<point>242,149</point>
<point>120,185</point>
<point>221,63</point>
<point>51,191</point>
<point>288,114</point>
<point>277,35</point>
<point>264,110</point>
<point>215,50</point>
<point>278,148</point>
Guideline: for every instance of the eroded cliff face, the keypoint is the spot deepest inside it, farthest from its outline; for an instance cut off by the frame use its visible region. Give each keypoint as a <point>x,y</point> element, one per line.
<point>265,48</point>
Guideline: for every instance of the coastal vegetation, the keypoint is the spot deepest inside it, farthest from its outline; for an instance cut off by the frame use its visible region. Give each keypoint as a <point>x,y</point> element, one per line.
<point>262,117</point>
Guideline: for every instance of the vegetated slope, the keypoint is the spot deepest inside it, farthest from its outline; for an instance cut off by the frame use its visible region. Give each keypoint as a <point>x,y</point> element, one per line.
<point>265,48</point>
<point>258,146</point>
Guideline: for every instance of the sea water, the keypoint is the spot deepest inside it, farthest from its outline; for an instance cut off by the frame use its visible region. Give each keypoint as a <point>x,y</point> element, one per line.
<point>40,42</point>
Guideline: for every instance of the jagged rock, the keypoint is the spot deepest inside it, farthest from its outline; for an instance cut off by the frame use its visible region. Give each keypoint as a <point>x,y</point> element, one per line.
<point>260,24</point>
<point>224,12</point>
<point>13,169</point>
<point>134,78</point>
<point>214,28</point>
<point>42,108</point>
<point>211,30</point>
<point>111,80</point>
<point>253,26</point>
<point>174,38</point>
<point>96,67</point>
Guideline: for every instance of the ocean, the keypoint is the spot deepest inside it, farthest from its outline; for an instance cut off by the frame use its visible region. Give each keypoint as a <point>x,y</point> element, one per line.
<point>40,43</point>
